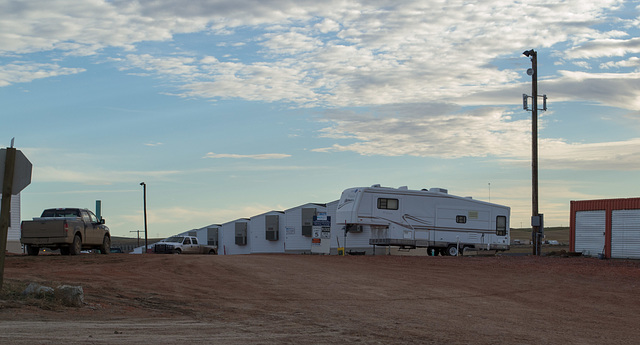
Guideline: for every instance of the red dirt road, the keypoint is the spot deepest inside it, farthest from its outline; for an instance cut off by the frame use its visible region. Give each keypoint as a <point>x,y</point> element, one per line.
<point>287,299</point>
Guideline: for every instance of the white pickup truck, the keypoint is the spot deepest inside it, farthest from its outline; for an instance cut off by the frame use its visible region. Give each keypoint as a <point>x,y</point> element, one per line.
<point>183,245</point>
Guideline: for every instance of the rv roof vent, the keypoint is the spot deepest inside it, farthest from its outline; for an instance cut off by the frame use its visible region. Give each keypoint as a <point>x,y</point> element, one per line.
<point>403,187</point>
<point>468,197</point>
<point>375,185</point>
<point>424,189</point>
<point>439,190</point>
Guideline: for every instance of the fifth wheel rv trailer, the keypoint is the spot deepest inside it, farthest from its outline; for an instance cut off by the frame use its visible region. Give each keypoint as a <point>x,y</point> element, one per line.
<point>433,219</point>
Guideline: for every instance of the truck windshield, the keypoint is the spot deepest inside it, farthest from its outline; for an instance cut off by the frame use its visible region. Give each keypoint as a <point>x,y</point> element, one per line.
<point>60,213</point>
<point>177,239</point>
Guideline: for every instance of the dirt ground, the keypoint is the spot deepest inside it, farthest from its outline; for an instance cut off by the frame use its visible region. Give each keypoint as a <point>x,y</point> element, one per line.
<point>293,299</point>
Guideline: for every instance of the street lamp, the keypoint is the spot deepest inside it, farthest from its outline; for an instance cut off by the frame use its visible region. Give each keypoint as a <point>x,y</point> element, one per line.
<point>536,218</point>
<point>144,198</point>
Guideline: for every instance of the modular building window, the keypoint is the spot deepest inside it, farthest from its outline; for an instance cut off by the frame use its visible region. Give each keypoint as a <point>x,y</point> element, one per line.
<point>272,226</point>
<point>387,204</point>
<point>307,221</point>
<point>241,234</point>
<point>212,236</point>
<point>501,225</point>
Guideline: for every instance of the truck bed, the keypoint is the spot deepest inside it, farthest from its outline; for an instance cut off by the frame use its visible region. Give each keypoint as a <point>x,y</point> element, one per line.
<point>45,227</point>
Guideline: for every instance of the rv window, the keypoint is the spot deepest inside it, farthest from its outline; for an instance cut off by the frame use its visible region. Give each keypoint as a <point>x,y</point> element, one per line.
<point>387,204</point>
<point>461,219</point>
<point>501,226</point>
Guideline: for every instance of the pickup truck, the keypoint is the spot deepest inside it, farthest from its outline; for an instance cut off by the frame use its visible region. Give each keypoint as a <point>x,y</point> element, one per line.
<point>183,245</point>
<point>69,229</point>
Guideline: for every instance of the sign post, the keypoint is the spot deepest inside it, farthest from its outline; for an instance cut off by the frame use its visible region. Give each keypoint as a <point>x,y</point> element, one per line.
<point>16,175</point>
<point>321,231</point>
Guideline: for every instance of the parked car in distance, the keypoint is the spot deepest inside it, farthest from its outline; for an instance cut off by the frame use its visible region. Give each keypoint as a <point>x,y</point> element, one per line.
<point>116,250</point>
<point>183,245</point>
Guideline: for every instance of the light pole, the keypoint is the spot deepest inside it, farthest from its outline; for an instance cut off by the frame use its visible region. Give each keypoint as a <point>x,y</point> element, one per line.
<point>138,232</point>
<point>144,198</point>
<point>536,218</point>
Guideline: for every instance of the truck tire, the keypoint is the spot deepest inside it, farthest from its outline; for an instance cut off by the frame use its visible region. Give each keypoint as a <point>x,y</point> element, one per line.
<point>212,252</point>
<point>76,246</point>
<point>105,248</point>
<point>33,251</point>
<point>451,250</point>
<point>177,251</point>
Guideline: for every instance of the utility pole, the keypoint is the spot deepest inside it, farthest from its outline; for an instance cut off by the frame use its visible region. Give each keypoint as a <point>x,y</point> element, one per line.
<point>144,198</point>
<point>536,217</point>
<point>138,231</point>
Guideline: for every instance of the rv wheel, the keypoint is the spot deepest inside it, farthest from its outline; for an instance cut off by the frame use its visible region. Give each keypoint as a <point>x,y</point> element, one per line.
<point>452,250</point>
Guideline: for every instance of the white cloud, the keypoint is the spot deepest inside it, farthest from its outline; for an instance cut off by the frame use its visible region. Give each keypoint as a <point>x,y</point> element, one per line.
<point>605,47</point>
<point>621,90</point>
<point>168,66</point>
<point>343,53</point>
<point>633,61</point>
<point>354,54</point>
<point>157,216</point>
<point>486,132</point>
<point>24,72</point>
<point>257,156</point>
<point>97,177</point>
<point>416,131</point>
<point>327,25</point>
<point>618,155</point>
<point>289,43</point>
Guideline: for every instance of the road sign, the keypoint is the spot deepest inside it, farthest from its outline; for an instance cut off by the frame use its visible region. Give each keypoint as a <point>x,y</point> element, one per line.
<point>21,173</point>
<point>321,231</point>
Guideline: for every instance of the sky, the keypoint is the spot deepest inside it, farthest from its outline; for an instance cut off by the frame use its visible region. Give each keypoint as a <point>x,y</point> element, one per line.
<point>229,109</point>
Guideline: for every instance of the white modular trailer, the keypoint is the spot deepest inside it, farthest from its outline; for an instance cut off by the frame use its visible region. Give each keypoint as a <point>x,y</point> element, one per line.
<point>298,227</point>
<point>424,218</point>
<point>266,232</point>
<point>207,235</point>
<point>233,237</point>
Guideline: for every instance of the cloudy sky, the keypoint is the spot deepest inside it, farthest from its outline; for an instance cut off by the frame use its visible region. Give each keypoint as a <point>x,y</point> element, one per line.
<point>228,109</point>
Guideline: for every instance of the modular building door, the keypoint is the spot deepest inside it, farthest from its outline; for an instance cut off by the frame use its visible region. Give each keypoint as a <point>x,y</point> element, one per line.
<point>590,232</point>
<point>625,234</point>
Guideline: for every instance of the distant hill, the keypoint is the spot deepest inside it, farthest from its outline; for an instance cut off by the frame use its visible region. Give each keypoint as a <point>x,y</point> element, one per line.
<point>560,234</point>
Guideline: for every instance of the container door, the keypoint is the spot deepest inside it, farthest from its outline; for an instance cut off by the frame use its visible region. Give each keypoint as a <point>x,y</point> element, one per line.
<point>625,234</point>
<point>590,232</point>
